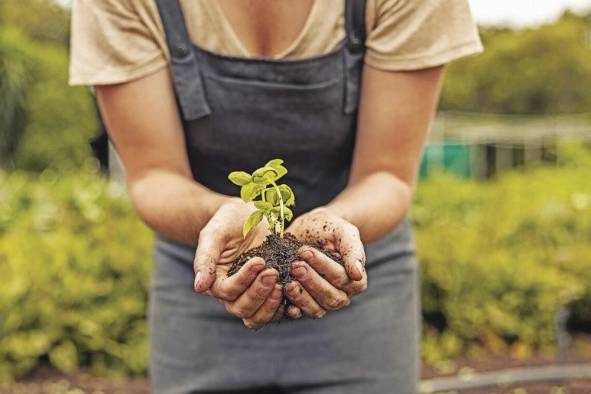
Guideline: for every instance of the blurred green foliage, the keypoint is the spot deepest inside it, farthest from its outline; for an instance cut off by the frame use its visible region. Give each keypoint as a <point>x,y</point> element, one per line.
<point>498,260</point>
<point>59,119</point>
<point>538,70</point>
<point>15,70</point>
<point>75,264</point>
<point>41,20</point>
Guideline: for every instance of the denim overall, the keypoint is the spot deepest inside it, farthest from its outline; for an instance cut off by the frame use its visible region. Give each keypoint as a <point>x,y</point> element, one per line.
<point>237,114</point>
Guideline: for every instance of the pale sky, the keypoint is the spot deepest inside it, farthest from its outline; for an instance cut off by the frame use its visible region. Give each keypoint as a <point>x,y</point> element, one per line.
<point>523,12</point>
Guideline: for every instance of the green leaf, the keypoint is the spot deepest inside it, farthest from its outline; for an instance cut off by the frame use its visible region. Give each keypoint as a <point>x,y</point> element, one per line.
<point>64,356</point>
<point>240,178</point>
<point>281,171</point>
<point>249,192</point>
<point>264,206</point>
<point>272,197</point>
<point>265,175</point>
<point>253,220</point>
<point>287,195</point>
<point>287,213</point>
<point>268,178</point>
<point>274,163</point>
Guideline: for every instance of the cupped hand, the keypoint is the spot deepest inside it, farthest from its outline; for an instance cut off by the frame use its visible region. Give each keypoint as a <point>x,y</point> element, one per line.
<point>321,283</point>
<point>252,294</point>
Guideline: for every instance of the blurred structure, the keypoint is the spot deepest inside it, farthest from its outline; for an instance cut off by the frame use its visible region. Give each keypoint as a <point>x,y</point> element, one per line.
<point>480,145</point>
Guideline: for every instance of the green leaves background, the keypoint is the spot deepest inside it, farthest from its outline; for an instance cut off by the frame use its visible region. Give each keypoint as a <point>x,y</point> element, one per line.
<point>75,265</point>
<point>497,260</point>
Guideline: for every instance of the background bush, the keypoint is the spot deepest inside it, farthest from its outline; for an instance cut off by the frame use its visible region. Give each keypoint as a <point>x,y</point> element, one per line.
<point>498,260</point>
<point>59,119</point>
<point>539,70</point>
<point>75,264</point>
<point>15,67</point>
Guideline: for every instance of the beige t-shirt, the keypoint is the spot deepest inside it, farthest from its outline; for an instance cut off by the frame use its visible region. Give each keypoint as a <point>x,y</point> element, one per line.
<point>115,41</point>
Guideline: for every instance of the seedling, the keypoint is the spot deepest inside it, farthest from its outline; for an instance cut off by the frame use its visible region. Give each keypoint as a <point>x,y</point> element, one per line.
<point>272,201</point>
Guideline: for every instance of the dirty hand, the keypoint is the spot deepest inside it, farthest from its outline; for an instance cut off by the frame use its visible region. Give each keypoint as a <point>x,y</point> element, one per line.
<point>321,283</point>
<point>252,294</point>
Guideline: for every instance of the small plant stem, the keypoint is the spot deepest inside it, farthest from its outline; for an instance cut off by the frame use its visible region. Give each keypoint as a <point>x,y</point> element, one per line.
<point>269,216</point>
<point>282,210</point>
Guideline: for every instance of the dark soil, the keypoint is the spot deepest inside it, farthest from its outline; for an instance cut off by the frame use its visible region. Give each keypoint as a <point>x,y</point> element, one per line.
<point>279,253</point>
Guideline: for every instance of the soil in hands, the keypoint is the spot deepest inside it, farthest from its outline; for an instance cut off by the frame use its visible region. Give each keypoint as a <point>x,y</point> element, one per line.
<point>279,253</point>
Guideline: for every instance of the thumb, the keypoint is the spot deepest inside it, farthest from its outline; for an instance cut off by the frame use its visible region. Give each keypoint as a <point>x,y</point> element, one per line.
<point>351,249</point>
<point>209,249</point>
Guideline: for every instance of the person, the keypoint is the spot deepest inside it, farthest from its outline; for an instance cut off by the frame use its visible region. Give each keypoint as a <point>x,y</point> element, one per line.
<point>344,91</point>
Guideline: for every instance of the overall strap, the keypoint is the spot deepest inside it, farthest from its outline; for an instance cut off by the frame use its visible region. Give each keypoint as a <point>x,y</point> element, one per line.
<point>186,72</point>
<point>354,52</point>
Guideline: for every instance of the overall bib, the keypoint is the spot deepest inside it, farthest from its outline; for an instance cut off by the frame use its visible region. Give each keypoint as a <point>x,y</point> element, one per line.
<point>237,114</point>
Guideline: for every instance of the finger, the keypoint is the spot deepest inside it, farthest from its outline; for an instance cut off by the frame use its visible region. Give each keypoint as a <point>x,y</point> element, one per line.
<point>303,300</point>
<point>350,247</point>
<point>294,312</point>
<point>209,249</point>
<point>231,287</point>
<point>255,295</point>
<point>325,294</point>
<point>326,267</point>
<point>280,312</point>
<point>355,287</point>
<point>267,311</point>
<point>332,271</point>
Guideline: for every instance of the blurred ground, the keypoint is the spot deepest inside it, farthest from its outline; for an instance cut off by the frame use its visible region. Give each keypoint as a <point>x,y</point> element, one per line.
<point>49,381</point>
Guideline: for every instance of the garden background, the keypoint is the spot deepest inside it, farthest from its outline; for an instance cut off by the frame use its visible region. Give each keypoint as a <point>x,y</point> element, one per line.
<point>505,252</point>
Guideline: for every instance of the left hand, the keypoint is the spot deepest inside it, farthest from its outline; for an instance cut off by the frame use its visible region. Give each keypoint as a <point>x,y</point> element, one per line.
<point>323,284</point>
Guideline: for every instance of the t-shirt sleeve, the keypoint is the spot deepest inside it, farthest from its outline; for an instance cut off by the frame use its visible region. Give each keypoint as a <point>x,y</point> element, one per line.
<point>111,43</point>
<point>416,34</point>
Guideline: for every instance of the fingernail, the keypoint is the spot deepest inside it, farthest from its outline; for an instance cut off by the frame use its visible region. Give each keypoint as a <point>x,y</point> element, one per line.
<point>276,293</point>
<point>305,249</point>
<point>269,280</point>
<point>292,288</point>
<point>257,265</point>
<point>307,254</point>
<point>359,266</point>
<point>299,271</point>
<point>198,280</point>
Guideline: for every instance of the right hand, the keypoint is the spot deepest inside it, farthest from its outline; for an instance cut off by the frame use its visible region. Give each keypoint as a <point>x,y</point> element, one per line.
<point>252,294</point>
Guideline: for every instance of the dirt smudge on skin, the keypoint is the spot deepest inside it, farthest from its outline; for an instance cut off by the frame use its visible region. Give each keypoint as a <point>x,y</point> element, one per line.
<point>280,253</point>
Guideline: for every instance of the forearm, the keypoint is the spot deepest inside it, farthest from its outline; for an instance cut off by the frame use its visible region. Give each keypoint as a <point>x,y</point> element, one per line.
<point>375,204</point>
<point>395,114</point>
<point>173,205</point>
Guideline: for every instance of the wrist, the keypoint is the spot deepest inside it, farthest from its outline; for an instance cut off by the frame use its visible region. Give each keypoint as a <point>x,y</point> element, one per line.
<point>214,201</point>
<point>334,208</point>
